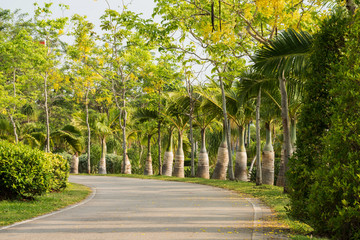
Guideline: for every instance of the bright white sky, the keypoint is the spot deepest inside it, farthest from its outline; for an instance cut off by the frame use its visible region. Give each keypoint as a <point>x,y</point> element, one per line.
<point>93,9</point>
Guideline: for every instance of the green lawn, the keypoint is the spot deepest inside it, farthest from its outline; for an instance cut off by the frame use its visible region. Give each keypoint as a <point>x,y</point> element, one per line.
<point>15,211</point>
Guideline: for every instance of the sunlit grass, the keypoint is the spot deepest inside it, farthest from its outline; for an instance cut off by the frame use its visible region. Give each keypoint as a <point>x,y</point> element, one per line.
<point>15,211</point>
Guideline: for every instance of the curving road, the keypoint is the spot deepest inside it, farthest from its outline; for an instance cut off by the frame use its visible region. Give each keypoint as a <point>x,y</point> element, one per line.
<point>131,209</point>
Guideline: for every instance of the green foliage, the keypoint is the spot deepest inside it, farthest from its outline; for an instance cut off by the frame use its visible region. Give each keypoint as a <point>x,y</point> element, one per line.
<point>325,174</point>
<point>315,114</point>
<point>26,172</point>
<point>335,194</point>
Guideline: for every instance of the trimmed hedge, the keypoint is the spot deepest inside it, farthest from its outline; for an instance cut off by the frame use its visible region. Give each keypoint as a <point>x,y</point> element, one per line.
<point>26,172</point>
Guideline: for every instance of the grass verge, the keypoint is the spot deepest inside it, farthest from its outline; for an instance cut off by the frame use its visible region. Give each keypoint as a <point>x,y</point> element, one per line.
<point>272,196</point>
<point>14,210</point>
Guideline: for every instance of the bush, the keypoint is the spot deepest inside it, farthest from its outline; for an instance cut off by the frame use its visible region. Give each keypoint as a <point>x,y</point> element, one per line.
<point>26,172</point>
<point>335,196</point>
<point>325,174</point>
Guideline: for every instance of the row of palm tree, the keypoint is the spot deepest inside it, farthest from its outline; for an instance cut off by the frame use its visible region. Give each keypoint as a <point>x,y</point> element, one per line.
<point>274,78</point>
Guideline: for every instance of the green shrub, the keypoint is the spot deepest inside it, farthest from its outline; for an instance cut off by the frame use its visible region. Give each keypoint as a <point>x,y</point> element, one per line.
<point>335,196</point>
<point>314,120</point>
<point>26,172</point>
<point>325,174</point>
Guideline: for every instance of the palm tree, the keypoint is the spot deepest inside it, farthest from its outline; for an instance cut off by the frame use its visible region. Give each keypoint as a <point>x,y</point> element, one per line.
<point>174,114</point>
<point>71,136</point>
<point>147,120</point>
<point>240,111</point>
<point>213,106</point>
<point>284,56</point>
<point>252,85</point>
<point>168,155</point>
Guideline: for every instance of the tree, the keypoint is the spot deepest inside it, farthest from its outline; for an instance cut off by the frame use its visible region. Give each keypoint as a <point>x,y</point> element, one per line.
<point>124,56</point>
<point>49,31</point>
<point>71,136</point>
<point>84,79</point>
<point>174,114</point>
<point>284,56</point>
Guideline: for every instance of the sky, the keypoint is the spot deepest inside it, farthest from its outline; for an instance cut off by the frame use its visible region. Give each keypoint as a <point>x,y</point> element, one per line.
<point>93,9</point>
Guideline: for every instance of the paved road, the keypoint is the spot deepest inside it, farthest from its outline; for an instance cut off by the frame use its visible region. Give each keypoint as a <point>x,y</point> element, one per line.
<point>131,209</point>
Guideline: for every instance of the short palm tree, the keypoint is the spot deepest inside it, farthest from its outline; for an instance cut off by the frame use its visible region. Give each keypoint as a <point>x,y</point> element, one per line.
<point>72,138</point>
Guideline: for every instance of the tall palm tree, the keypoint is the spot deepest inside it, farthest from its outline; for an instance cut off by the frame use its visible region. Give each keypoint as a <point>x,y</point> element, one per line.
<point>253,85</point>
<point>285,56</point>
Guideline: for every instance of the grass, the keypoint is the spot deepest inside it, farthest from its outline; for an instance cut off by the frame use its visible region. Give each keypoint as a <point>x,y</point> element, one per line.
<point>14,210</point>
<point>272,196</point>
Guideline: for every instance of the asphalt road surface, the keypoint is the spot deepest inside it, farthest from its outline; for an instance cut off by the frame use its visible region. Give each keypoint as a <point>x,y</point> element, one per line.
<point>132,209</point>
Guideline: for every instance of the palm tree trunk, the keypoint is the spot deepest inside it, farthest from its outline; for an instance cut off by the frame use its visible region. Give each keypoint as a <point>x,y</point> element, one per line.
<point>74,167</point>
<point>241,157</point>
<point>126,167</point>
<point>227,130</point>
<point>169,157</point>
<point>179,158</point>
<point>258,142</point>
<point>47,144</point>
<point>268,158</point>
<point>102,164</point>
<point>88,129</point>
<point>203,162</point>
<point>222,160</point>
<point>286,128</point>
<point>148,164</point>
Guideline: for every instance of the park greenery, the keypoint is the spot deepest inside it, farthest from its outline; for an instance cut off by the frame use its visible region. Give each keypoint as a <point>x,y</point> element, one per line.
<point>265,91</point>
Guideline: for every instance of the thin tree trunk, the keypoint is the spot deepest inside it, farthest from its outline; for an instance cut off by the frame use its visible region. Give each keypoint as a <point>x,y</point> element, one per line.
<point>179,159</point>
<point>192,143</point>
<point>203,162</point>
<point>248,136</point>
<point>268,158</point>
<point>89,130</point>
<point>190,94</point>
<point>280,181</point>
<point>293,133</point>
<point>286,127</point>
<point>102,164</point>
<point>169,156</point>
<point>241,157</point>
<point>159,135</point>
<point>251,167</point>
<point>258,142</point>
<point>148,164</point>
<point>11,116</point>
<point>126,161</point>
<point>47,144</point>
<point>227,130</point>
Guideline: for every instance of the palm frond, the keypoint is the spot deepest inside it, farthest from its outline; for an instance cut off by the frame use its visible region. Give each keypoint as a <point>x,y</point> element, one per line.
<point>288,53</point>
